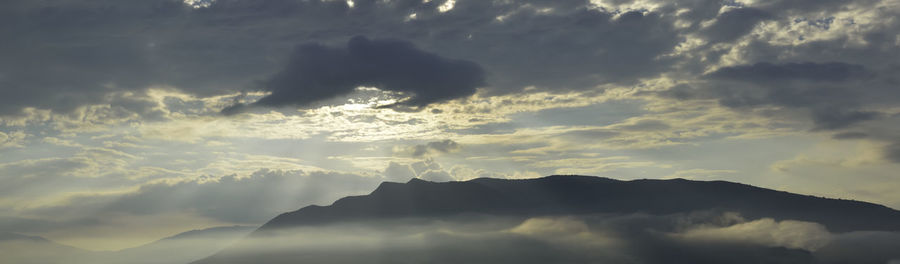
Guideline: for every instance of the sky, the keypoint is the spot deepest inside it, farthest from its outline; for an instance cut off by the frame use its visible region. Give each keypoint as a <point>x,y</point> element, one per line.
<point>126,121</point>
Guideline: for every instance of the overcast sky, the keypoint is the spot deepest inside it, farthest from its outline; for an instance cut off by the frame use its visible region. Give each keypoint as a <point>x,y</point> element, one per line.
<point>125,121</point>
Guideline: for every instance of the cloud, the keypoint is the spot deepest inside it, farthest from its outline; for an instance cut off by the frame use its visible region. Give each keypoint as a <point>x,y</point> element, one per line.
<point>646,125</point>
<point>850,135</point>
<point>397,172</point>
<point>39,176</point>
<point>778,73</point>
<point>790,234</point>
<point>79,52</point>
<point>892,152</point>
<point>231,199</point>
<point>734,24</point>
<point>430,170</point>
<point>434,147</point>
<point>316,72</point>
<point>825,90</point>
<point>443,145</point>
<point>15,139</point>
<point>699,237</point>
<point>35,225</point>
<point>85,48</point>
<point>436,176</point>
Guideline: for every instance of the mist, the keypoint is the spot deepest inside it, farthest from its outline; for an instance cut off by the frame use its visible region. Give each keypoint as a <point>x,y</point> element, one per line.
<point>700,237</point>
<point>182,248</point>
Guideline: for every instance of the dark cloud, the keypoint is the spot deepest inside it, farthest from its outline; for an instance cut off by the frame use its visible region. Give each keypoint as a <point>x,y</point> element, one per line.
<point>66,54</point>
<point>444,145</point>
<point>778,73</point>
<point>594,47</point>
<point>734,24</point>
<point>827,90</point>
<point>835,118</point>
<point>316,72</point>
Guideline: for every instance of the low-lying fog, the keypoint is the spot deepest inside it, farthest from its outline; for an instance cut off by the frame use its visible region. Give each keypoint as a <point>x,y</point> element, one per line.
<point>706,237</point>
<point>693,238</point>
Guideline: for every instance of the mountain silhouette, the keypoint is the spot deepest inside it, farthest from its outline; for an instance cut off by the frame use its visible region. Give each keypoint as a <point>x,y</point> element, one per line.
<point>180,248</point>
<point>17,248</point>
<point>563,195</point>
<point>574,219</point>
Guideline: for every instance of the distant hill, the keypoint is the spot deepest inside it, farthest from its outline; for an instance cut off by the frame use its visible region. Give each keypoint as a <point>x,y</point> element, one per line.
<point>7,236</point>
<point>560,195</point>
<point>180,248</point>
<point>22,249</point>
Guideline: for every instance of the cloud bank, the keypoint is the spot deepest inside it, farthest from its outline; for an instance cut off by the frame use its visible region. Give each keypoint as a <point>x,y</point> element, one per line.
<point>699,237</point>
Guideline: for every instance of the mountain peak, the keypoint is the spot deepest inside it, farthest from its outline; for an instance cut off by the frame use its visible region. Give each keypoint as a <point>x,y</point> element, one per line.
<point>416,181</point>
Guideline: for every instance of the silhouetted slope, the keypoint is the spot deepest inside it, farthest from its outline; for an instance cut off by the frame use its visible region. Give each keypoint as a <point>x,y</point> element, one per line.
<point>6,236</point>
<point>220,232</point>
<point>180,248</point>
<point>22,249</point>
<point>559,195</point>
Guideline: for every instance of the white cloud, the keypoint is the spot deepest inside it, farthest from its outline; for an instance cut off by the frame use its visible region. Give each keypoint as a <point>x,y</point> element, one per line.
<point>791,234</point>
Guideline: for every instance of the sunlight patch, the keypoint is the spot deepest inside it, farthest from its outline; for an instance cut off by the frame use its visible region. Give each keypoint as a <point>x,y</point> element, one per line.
<point>447,6</point>
<point>197,4</point>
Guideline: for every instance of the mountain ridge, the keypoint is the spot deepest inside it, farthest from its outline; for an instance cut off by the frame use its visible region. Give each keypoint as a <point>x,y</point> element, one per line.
<point>577,194</point>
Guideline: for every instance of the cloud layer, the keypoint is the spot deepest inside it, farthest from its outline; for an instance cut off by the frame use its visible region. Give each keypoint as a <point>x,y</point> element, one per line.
<point>700,237</point>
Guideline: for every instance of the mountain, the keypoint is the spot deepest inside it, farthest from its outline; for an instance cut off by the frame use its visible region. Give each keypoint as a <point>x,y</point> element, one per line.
<point>8,237</point>
<point>180,248</point>
<point>22,249</point>
<point>560,195</point>
<point>575,219</point>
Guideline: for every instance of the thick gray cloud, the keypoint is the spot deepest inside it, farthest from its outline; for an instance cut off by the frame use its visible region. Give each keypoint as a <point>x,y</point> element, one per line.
<point>734,24</point>
<point>830,92</point>
<point>66,54</point>
<point>316,72</point>
<point>778,73</point>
